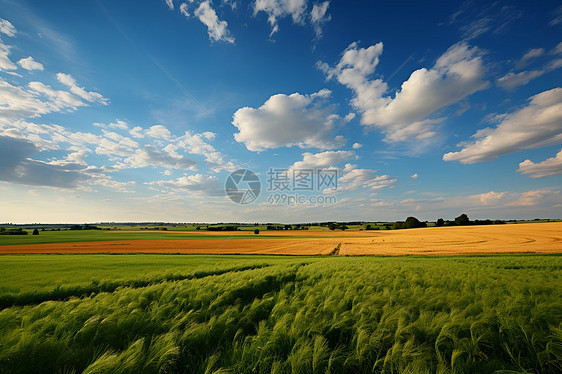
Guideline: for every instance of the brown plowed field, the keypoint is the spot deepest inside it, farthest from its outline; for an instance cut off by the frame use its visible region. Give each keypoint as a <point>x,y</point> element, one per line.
<point>511,238</point>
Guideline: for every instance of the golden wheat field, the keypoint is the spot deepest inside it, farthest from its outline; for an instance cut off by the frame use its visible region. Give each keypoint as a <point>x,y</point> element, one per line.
<point>512,238</point>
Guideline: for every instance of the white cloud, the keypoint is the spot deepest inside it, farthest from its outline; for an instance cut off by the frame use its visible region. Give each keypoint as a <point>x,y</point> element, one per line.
<point>318,17</point>
<point>170,4</point>
<point>356,146</point>
<point>58,99</point>
<point>7,28</point>
<point>199,183</point>
<point>364,179</point>
<point>29,63</point>
<point>458,73</point>
<point>69,81</point>
<point>158,131</point>
<point>512,80</point>
<point>167,158</point>
<point>114,185</point>
<point>414,176</point>
<point>197,144</point>
<point>547,168</point>
<point>476,21</point>
<point>18,102</point>
<point>534,198</point>
<point>288,120</point>
<point>527,57</point>
<point>537,124</point>
<point>490,198</point>
<point>118,124</point>
<point>217,29</point>
<point>5,62</point>
<point>322,160</point>
<point>276,9</point>
<point>184,10</point>
<point>137,132</point>
<point>557,49</point>
<point>113,144</point>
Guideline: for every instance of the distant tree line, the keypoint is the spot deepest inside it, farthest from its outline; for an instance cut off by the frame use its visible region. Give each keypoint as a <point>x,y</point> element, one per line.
<point>463,220</point>
<point>84,227</point>
<point>18,231</point>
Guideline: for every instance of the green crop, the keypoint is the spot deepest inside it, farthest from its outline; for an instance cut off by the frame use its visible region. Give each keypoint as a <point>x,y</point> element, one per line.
<point>247,314</point>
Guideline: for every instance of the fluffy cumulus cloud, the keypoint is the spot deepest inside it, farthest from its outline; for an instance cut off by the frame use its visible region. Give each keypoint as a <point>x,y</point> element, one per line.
<point>159,131</point>
<point>289,120</point>
<point>322,159</point>
<point>458,73</point>
<point>490,198</point>
<point>29,63</point>
<point>354,178</point>
<point>537,124</point>
<point>217,29</point>
<point>547,168</point>
<point>199,144</point>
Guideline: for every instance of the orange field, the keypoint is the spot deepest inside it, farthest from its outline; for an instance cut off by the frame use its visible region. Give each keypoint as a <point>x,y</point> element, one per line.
<point>512,238</point>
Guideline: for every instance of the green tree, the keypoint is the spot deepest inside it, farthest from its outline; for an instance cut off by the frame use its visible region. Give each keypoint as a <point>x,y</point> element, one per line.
<point>439,222</point>
<point>35,232</point>
<point>413,222</point>
<point>256,231</point>
<point>462,220</point>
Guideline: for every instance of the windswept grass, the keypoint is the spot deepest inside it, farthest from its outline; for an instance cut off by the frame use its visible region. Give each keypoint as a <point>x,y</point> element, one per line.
<point>384,315</point>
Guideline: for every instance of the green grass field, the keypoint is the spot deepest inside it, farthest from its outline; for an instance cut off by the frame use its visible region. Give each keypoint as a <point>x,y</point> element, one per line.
<point>246,314</point>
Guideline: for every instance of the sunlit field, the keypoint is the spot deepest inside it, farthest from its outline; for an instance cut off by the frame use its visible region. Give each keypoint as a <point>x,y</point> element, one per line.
<point>217,314</point>
<point>456,240</point>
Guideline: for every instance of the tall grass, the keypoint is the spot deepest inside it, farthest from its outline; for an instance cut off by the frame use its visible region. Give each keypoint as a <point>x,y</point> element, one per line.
<point>379,315</point>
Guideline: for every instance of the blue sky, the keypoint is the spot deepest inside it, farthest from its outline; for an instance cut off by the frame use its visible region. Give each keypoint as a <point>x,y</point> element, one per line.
<point>122,111</point>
